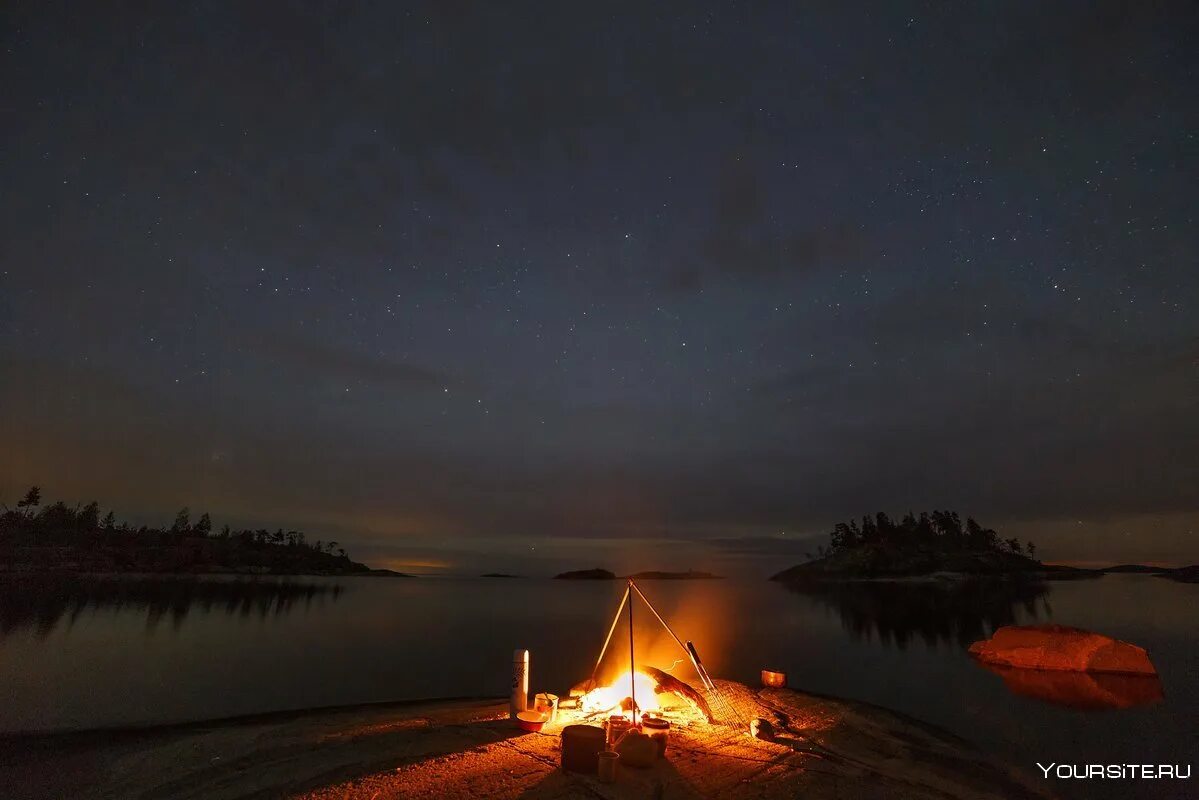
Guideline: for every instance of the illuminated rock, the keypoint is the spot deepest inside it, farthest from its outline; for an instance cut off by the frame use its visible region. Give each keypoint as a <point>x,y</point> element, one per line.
<point>1057,647</point>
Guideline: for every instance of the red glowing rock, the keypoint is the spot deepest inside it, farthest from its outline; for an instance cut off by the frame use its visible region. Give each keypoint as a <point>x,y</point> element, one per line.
<point>1057,647</point>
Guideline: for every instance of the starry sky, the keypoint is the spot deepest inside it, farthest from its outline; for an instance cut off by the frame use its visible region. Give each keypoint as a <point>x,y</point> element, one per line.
<point>642,286</point>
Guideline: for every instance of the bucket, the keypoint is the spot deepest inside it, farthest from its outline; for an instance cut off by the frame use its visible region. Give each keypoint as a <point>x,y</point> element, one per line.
<point>581,745</point>
<point>773,679</point>
<point>617,727</point>
<point>659,731</point>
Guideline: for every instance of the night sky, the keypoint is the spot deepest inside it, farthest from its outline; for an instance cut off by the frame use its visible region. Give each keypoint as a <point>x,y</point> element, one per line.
<point>527,288</point>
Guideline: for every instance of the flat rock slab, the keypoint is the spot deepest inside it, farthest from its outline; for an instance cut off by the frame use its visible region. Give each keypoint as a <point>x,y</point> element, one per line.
<point>825,748</point>
<point>1057,647</point>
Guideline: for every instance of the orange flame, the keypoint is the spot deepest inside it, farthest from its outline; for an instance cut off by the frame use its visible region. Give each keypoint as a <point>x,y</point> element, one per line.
<point>629,684</point>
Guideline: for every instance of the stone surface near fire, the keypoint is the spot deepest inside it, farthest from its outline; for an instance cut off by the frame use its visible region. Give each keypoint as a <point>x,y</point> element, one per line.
<point>823,748</point>
<point>1058,647</point>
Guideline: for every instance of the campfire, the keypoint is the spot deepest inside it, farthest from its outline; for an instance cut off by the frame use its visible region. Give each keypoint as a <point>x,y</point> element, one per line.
<point>641,696</point>
<point>617,698</point>
<point>641,690</point>
<point>628,718</point>
<point>657,693</point>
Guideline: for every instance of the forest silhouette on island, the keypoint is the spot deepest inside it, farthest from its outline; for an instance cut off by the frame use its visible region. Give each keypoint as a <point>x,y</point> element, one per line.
<point>37,537</point>
<point>931,542</point>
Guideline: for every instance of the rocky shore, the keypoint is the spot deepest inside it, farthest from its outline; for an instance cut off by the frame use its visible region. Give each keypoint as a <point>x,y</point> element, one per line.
<point>825,748</point>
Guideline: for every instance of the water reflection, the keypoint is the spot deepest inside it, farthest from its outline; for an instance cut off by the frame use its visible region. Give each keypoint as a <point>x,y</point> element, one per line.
<point>935,612</point>
<point>43,602</point>
<point>1084,691</point>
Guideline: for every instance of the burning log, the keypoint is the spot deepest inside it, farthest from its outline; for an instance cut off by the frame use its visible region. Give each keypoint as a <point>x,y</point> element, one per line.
<point>671,684</point>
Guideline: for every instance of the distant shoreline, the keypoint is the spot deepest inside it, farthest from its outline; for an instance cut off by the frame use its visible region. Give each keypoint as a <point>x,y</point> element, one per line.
<point>6,572</point>
<point>649,575</point>
<point>1188,574</point>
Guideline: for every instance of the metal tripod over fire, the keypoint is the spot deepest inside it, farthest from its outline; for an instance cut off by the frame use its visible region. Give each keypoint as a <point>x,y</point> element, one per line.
<point>728,713</point>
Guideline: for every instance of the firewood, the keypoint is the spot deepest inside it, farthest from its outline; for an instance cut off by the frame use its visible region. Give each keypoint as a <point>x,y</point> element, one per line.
<point>669,684</point>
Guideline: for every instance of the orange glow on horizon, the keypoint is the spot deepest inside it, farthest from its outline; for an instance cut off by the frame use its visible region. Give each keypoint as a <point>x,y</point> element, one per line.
<point>408,564</point>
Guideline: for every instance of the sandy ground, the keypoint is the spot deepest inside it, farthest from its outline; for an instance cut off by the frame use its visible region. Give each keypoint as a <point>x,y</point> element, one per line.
<point>469,749</point>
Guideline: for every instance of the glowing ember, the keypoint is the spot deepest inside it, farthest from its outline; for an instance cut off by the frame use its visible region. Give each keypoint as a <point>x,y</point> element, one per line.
<point>613,698</point>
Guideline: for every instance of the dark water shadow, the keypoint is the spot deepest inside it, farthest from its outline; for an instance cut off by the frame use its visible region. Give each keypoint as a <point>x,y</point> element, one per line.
<point>956,613</point>
<point>44,602</point>
<point>1082,691</point>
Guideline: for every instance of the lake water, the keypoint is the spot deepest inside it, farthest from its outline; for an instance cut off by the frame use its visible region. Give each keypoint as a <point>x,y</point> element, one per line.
<point>80,654</point>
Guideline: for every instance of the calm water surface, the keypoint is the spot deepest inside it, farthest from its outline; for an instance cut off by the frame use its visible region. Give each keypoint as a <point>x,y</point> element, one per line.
<point>102,653</point>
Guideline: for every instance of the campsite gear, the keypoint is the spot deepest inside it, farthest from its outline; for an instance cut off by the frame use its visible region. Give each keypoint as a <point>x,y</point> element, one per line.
<point>581,746</point>
<point>531,721</point>
<point>546,703</point>
<point>688,648</point>
<point>520,683</point>
<point>728,713</point>
<point>699,666</point>
<point>617,726</point>
<point>669,683</point>
<point>657,729</point>
<point>775,680</point>
<point>761,729</point>
<point>607,766</point>
<point>637,750</point>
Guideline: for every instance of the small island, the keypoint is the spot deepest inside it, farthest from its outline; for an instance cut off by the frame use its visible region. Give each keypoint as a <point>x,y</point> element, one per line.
<point>58,538</point>
<point>1182,574</point>
<point>598,574</point>
<point>498,575</point>
<point>934,543</point>
<point>1134,569</point>
<point>689,575</point>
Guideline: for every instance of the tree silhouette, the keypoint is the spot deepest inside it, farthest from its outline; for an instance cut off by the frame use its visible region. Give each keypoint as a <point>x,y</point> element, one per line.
<point>56,517</point>
<point>32,499</point>
<point>918,537</point>
<point>72,533</point>
<point>89,517</point>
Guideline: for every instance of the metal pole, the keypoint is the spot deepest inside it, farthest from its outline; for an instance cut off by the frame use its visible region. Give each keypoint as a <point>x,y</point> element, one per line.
<point>625,599</point>
<point>632,668</point>
<point>688,648</point>
<point>637,589</point>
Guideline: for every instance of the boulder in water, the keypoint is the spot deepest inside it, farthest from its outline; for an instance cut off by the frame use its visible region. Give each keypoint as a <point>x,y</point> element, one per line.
<point>1057,647</point>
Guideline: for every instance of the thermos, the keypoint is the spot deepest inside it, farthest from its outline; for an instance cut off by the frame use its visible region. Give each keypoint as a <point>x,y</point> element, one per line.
<point>520,682</point>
